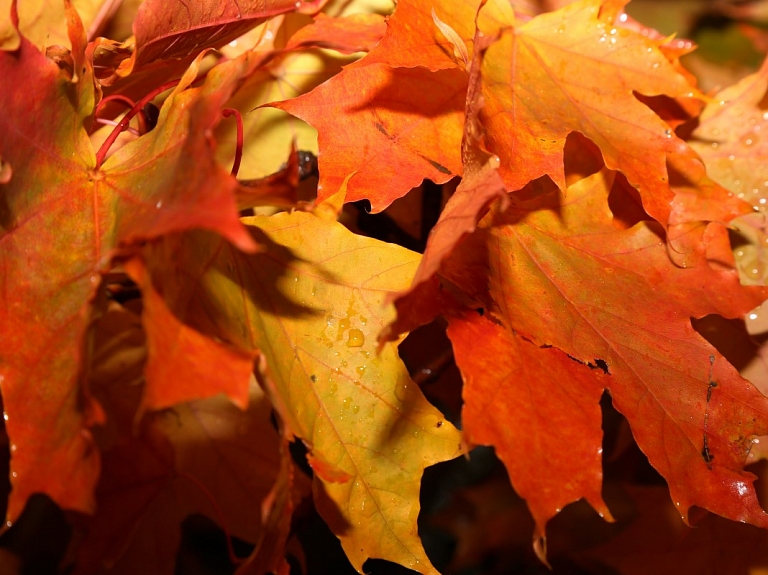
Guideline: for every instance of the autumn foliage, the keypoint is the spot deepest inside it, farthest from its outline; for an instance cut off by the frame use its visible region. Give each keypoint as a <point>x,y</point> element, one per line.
<point>172,323</point>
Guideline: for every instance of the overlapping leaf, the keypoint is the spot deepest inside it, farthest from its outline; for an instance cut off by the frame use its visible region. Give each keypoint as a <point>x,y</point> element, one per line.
<point>269,134</point>
<point>311,303</point>
<point>62,223</point>
<point>561,274</point>
<point>527,401</point>
<point>730,139</point>
<point>577,69</point>
<point>354,33</point>
<point>207,457</point>
<point>389,128</point>
<point>175,30</point>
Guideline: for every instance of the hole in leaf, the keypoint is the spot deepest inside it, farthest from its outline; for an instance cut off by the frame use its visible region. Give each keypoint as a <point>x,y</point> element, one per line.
<point>600,364</point>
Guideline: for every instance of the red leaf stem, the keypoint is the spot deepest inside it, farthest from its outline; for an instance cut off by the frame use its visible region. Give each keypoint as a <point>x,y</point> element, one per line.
<point>128,102</point>
<point>227,112</point>
<point>123,124</point>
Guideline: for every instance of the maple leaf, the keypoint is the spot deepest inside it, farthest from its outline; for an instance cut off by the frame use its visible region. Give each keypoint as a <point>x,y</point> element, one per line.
<point>206,457</point>
<point>729,139</point>
<point>389,128</point>
<point>347,34</point>
<point>516,400</point>
<point>311,303</point>
<point>557,271</point>
<point>175,30</point>
<point>63,223</point>
<point>577,69</point>
<point>560,283</point>
<point>269,133</point>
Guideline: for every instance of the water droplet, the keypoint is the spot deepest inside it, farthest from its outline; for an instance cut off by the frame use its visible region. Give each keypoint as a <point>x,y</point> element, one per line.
<point>355,409</point>
<point>14,474</point>
<point>613,31</point>
<point>755,440</point>
<point>623,17</point>
<point>360,369</point>
<point>346,402</point>
<point>401,391</point>
<point>417,433</point>
<point>332,388</point>
<point>753,316</point>
<point>159,204</point>
<point>602,38</point>
<point>13,447</point>
<point>93,279</point>
<point>668,133</point>
<point>5,416</point>
<point>8,523</point>
<point>561,29</point>
<point>655,65</point>
<point>748,140</point>
<point>356,338</point>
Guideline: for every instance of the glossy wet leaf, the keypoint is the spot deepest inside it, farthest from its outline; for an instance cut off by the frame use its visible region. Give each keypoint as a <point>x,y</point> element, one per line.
<point>314,314</point>
<point>578,69</point>
<point>624,305</point>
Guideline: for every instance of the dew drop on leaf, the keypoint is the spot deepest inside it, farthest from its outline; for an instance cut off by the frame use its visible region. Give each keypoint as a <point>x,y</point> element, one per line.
<point>355,338</point>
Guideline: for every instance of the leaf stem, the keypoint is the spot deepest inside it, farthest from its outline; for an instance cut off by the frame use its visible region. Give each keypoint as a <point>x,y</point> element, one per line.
<point>128,102</point>
<point>227,112</point>
<point>123,124</point>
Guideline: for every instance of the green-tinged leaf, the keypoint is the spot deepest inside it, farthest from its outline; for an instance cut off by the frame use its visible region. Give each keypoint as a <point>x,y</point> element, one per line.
<point>311,301</point>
